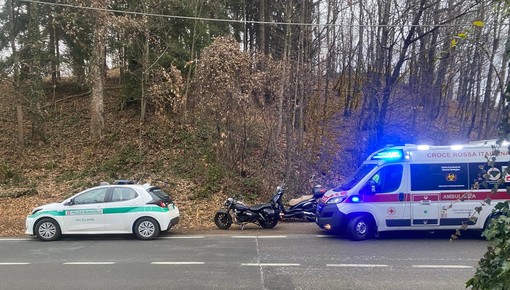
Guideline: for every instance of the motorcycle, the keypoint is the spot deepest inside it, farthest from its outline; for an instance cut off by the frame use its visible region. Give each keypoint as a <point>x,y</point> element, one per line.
<point>266,215</point>
<point>303,207</point>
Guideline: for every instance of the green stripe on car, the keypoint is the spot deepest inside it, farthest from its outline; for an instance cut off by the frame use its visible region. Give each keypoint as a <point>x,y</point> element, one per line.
<point>95,211</point>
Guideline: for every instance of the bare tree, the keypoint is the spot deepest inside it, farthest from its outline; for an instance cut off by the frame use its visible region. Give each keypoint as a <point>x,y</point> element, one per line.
<point>97,70</point>
<point>16,72</point>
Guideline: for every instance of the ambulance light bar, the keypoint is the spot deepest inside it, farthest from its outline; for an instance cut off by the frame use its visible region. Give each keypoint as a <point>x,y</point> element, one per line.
<point>390,154</point>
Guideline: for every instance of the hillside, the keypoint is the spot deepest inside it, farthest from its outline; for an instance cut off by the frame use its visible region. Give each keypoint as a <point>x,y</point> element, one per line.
<point>67,162</point>
<point>165,151</point>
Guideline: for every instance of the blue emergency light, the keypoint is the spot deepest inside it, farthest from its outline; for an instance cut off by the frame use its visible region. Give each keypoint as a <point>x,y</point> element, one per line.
<point>390,154</point>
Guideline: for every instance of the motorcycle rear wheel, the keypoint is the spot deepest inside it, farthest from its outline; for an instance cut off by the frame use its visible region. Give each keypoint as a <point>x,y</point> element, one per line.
<point>269,224</point>
<point>223,220</point>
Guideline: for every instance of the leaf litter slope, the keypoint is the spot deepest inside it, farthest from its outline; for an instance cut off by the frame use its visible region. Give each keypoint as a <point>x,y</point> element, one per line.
<point>65,161</point>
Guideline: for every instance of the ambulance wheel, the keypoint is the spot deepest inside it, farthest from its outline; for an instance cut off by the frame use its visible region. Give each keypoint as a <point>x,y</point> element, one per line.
<point>47,230</point>
<point>359,228</point>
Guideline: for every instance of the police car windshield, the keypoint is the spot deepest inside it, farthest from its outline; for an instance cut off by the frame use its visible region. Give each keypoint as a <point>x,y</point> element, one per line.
<point>354,179</point>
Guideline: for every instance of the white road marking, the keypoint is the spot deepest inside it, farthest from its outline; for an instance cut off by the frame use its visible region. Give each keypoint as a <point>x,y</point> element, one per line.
<point>178,263</point>
<point>259,237</point>
<point>357,265</point>
<point>442,267</point>
<point>13,264</point>
<point>270,264</point>
<point>183,237</point>
<point>89,263</point>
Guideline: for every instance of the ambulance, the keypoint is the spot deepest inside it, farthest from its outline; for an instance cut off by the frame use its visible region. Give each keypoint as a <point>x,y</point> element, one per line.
<point>418,187</point>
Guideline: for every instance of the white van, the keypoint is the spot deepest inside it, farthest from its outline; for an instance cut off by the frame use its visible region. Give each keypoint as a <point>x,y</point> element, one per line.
<point>417,188</point>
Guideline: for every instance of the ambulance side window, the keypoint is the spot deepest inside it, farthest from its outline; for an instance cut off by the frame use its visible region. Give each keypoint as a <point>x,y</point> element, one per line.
<point>387,179</point>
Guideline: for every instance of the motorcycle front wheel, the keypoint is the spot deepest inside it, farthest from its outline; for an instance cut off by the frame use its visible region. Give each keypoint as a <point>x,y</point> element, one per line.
<point>223,220</point>
<point>270,223</point>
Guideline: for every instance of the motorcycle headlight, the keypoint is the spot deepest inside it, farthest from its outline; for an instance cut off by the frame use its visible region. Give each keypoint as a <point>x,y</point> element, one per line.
<point>228,201</point>
<point>337,199</point>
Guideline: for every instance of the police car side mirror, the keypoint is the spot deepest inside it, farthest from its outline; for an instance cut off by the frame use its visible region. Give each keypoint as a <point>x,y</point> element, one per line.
<point>70,202</point>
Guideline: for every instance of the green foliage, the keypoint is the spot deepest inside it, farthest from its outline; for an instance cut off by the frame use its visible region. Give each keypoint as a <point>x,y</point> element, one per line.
<point>122,163</point>
<point>493,271</point>
<point>196,159</point>
<point>211,183</point>
<point>71,175</point>
<point>251,186</point>
<point>152,44</point>
<point>195,150</point>
<point>131,87</point>
<point>10,175</point>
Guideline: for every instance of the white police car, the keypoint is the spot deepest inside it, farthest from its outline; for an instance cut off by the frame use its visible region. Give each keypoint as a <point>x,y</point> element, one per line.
<point>119,208</point>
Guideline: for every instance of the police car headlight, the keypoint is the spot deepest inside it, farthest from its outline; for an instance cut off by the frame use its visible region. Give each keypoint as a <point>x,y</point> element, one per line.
<point>36,210</point>
<point>337,199</point>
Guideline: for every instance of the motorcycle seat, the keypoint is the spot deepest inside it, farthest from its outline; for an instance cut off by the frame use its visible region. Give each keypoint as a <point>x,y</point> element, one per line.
<point>295,201</point>
<point>260,206</point>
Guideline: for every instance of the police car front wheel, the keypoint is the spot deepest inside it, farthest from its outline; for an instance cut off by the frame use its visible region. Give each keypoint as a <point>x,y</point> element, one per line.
<point>47,230</point>
<point>146,229</point>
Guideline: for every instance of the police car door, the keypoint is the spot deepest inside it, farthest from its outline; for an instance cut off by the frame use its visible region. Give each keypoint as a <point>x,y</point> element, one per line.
<point>85,212</point>
<point>387,196</point>
<point>123,210</point>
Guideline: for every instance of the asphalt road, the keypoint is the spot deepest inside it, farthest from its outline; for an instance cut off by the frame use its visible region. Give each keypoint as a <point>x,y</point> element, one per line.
<point>291,256</point>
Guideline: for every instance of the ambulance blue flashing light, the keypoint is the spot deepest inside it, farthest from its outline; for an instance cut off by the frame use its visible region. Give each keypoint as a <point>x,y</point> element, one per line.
<point>355,199</point>
<point>390,154</point>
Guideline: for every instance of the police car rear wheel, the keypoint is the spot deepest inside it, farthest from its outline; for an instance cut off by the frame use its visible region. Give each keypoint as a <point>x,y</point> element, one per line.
<point>359,228</point>
<point>146,229</point>
<point>47,230</point>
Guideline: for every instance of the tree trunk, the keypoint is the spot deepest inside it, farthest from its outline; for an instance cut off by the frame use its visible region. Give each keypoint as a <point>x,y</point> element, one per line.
<point>16,74</point>
<point>96,72</point>
<point>262,26</point>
